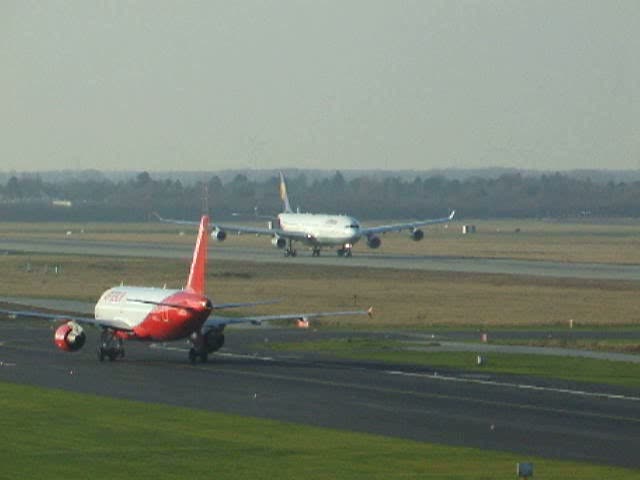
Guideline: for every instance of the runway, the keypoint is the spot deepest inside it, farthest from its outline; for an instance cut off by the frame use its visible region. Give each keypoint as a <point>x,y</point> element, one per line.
<point>529,417</point>
<point>361,258</point>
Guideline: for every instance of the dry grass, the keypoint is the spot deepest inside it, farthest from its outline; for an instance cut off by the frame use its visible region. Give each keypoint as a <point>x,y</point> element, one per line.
<point>400,298</point>
<point>536,240</point>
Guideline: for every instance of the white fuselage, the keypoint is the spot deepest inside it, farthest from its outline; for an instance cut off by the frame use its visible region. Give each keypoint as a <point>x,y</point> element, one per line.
<point>115,304</point>
<point>323,230</point>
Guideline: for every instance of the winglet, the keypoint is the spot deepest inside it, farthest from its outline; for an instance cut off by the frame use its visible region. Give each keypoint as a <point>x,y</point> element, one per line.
<point>453,212</point>
<point>198,271</point>
<point>370,311</point>
<point>283,195</point>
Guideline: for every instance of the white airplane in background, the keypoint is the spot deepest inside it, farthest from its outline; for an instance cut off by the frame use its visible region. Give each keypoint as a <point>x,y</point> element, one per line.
<point>160,314</point>
<point>317,230</point>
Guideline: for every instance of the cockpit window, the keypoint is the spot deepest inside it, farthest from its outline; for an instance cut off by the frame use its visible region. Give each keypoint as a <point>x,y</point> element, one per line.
<point>354,225</point>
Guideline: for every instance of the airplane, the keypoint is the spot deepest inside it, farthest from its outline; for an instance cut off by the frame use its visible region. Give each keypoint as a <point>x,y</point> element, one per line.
<point>317,230</point>
<point>161,315</point>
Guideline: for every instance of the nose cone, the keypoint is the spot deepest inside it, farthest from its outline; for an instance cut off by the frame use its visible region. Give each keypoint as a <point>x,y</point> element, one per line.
<point>352,230</point>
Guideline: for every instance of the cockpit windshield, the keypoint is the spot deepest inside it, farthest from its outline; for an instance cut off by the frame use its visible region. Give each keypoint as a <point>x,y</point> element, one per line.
<point>354,225</point>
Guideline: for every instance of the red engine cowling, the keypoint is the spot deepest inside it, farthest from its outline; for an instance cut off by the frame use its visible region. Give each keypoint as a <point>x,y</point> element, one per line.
<point>70,337</point>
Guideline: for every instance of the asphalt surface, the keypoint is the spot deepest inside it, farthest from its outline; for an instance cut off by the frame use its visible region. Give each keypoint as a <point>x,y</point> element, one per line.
<point>555,420</point>
<point>361,258</point>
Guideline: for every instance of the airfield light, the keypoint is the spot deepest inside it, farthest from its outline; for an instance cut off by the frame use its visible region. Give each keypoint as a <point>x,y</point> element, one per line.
<point>524,469</point>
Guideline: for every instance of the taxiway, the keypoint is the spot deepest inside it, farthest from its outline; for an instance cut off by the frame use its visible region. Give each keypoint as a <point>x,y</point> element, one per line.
<point>361,258</point>
<point>555,420</point>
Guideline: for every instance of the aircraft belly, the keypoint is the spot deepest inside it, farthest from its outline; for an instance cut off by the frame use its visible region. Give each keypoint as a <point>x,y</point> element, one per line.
<point>332,241</point>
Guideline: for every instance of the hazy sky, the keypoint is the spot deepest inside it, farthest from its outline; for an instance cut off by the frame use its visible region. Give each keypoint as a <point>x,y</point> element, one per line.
<point>319,84</point>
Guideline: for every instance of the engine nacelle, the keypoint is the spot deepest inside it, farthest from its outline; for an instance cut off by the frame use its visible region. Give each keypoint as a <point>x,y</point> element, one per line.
<point>219,235</point>
<point>417,235</point>
<point>213,341</point>
<point>278,242</point>
<point>373,241</point>
<point>70,337</point>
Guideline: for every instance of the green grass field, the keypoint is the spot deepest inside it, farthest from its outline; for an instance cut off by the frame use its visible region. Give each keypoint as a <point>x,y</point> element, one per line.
<point>602,344</point>
<point>53,434</point>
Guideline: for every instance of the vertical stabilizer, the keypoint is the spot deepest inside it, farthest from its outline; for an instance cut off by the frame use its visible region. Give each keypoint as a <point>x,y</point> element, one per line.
<point>197,274</point>
<point>283,195</point>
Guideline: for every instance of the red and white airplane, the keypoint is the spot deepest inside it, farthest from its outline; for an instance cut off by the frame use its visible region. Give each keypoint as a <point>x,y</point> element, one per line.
<point>160,315</point>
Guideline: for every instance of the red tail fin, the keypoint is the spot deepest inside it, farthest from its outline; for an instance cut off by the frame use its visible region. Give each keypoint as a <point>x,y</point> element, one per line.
<point>197,274</point>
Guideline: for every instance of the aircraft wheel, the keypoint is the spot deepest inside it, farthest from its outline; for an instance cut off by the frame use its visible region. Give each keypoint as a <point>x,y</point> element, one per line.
<point>347,253</point>
<point>193,356</point>
<point>287,252</point>
<point>294,253</point>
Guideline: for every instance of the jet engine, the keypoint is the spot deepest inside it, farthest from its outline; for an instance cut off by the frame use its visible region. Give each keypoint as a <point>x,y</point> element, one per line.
<point>278,242</point>
<point>373,241</point>
<point>417,234</point>
<point>214,341</point>
<point>70,337</point>
<point>219,235</point>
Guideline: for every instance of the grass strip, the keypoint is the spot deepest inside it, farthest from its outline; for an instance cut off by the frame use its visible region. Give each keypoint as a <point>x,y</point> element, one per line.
<point>576,369</point>
<point>54,434</point>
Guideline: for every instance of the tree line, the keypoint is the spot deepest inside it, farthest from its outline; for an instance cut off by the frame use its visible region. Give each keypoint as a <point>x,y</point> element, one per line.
<point>512,195</point>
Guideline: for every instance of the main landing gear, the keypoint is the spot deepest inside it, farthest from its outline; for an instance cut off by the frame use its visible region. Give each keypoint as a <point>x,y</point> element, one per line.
<point>202,345</point>
<point>290,251</point>
<point>344,252</point>
<point>195,354</point>
<point>315,252</point>
<point>109,346</point>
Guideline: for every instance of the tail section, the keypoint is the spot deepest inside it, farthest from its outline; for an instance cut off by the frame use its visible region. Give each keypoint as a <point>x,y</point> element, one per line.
<point>283,195</point>
<point>197,274</point>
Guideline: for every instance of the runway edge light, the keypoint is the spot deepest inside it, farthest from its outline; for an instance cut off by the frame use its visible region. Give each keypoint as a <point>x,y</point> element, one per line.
<point>524,469</point>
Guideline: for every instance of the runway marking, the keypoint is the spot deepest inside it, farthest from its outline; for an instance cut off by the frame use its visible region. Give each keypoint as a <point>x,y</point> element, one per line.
<point>158,346</point>
<point>521,386</point>
<point>396,391</point>
<point>241,355</point>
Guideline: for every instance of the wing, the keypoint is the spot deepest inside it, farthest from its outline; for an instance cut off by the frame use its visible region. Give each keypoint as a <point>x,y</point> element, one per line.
<point>215,321</point>
<point>221,306</point>
<point>398,227</point>
<point>115,324</point>
<point>293,235</point>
